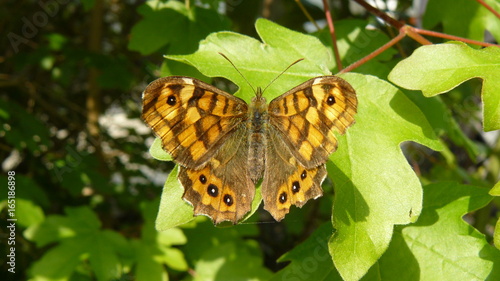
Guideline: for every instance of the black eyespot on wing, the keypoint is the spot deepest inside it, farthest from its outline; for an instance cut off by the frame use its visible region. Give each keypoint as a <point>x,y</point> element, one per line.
<point>213,190</point>
<point>295,187</point>
<point>203,179</point>
<point>303,175</point>
<point>330,100</point>
<point>228,200</point>
<point>171,100</point>
<point>283,197</point>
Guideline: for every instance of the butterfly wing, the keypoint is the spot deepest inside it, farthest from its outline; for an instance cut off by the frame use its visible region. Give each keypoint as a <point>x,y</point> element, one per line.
<point>201,127</point>
<point>286,181</point>
<point>191,117</point>
<point>308,116</point>
<point>222,189</point>
<point>301,137</point>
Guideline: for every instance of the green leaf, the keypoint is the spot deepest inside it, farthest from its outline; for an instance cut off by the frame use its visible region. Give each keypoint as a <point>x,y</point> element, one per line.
<point>496,235</point>
<point>80,237</point>
<point>174,25</point>
<point>261,62</point>
<point>441,119</point>
<point>441,245</point>
<point>154,249</point>
<point>147,267</point>
<point>375,188</point>
<point>103,258</point>
<point>27,213</point>
<point>157,151</point>
<point>310,260</point>
<point>26,188</point>
<point>231,261</point>
<point>59,262</point>
<point>173,210</point>
<point>55,227</point>
<point>495,191</point>
<point>22,130</point>
<point>437,69</point>
<point>463,18</point>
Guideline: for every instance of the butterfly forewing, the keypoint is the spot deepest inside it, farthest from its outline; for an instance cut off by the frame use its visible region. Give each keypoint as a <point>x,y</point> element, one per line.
<point>308,116</point>
<point>191,117</point>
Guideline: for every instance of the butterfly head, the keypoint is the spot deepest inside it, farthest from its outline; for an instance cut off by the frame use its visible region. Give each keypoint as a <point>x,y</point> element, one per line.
<point>259,101</point>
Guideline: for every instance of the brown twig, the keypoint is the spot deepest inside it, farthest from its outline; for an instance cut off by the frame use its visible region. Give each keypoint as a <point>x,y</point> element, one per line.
<point>332,34</point>
<point>412,32</point>
<point>375,53</point>
<point>452,37</point>
<point>385,17</point>
<point>497,14</point>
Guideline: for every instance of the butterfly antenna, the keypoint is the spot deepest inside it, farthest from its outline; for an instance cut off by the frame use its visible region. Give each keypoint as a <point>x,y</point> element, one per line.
<point>293,63</point>
<point>238,71</point>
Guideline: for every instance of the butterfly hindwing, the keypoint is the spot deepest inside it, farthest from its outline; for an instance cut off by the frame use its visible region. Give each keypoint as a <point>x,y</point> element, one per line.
<point>287,182</point>
<point>222,189</point>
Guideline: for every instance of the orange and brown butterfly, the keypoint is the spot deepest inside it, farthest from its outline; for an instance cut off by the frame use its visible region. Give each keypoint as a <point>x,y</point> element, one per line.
<point>224,146</point>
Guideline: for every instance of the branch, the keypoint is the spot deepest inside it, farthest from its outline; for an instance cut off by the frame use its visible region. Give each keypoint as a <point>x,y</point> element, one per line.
<point>332,34</point>
<point>497,14</point>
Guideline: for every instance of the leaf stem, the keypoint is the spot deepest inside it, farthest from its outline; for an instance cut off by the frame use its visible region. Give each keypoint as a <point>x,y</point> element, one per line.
<point>375,53</point>
<point>332,34</point>
<point>497,14</point>
<point>452,37</point>
<point>385,17</point>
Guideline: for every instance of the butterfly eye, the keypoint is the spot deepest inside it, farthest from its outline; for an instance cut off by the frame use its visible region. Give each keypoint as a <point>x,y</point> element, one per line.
<point>213,190</point>
<point>228,199</point>
<point>283,198</point>
<point>171,100</point>
<point>330,100</point>
<point>295,187</point>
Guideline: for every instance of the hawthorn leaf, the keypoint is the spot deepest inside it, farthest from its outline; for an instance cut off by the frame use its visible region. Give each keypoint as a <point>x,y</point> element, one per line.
<point>375,187</point>
<point>310,260</point>
<point>463,18</point>
<point>261,62</point>
<point>441,245</point>
<point>435,69</point>
<point>173,210</point>
<point>495,191</point>
<point>157,151</point>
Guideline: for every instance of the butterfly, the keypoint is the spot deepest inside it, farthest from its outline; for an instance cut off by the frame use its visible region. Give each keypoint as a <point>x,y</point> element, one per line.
<point>225,146</point>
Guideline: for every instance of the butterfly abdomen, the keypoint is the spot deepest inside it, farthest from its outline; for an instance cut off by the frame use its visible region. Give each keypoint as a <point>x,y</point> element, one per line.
<point>257,141</point>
